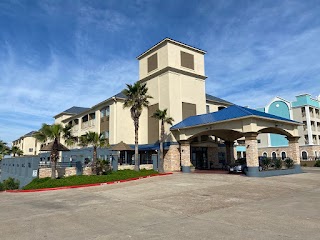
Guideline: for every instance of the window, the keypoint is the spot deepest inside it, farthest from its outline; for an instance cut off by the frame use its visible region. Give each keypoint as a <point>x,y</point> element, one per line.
<point>106,134</point>
<point>30,149</point>
<point>220,108</point>
<point>265,154</point>
<point>187,60</point>
<point>258,140</point>
<point>274,155</point>
<point>207,108</point>
<point>283,155</point>
<point>104,112</point>
<point>153,62</point>
<point>304,155</point>
<point>304,125</point>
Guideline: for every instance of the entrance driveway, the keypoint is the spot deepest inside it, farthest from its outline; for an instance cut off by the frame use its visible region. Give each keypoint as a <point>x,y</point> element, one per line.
<point>178,206</point>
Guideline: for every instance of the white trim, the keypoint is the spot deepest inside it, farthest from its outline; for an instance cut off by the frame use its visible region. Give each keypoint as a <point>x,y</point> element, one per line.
<point>265,153</point>
<point>310,138</point>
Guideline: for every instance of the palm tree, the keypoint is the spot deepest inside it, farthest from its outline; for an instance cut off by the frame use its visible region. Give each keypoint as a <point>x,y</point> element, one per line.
<point>162,116</point>
<point>96,140</point>
<point>70,140</point>
<point>4,149</point>
<point>16,151</point>
<point>137,98</point>
<point>51,132</point>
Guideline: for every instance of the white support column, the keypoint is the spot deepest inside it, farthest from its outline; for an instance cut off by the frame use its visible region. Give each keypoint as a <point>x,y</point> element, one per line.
<point>310,139</point>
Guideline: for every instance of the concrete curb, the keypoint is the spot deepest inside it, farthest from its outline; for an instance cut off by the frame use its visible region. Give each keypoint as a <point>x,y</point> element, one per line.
<point>87,185</point>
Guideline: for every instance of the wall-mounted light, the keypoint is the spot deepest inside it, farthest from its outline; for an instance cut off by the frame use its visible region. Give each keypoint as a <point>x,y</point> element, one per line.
<point>248,146</point>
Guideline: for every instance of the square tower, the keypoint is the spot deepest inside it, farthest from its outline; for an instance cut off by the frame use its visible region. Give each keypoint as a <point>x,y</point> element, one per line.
<point>175,76</point>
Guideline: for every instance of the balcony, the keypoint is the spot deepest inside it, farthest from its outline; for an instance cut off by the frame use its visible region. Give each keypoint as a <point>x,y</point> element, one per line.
<point>88,124</point>
<point>75,128</point>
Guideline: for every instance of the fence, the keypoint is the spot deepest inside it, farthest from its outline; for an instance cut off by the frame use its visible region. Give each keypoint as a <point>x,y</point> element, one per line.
<point>22,168</point>
<point>76,161</point>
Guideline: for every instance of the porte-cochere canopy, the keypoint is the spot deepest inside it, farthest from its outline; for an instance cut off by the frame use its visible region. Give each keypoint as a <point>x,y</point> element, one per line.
<point>233,123</point>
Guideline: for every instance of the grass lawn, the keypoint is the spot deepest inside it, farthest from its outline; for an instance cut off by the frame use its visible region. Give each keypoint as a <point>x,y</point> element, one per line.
<point>39,183</point>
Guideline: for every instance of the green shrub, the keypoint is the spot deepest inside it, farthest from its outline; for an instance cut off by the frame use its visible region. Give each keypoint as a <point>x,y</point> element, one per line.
<point>103,167</point>
<point>277,163</point>
<point>266,163</point>
<point>11,184</point>
<point>289,162</point>
<point>1,187</point>
<point>317,164</point>
<point>81,180</point>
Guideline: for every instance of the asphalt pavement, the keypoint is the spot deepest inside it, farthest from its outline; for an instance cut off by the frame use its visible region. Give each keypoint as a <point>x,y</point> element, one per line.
<point>178,206</point>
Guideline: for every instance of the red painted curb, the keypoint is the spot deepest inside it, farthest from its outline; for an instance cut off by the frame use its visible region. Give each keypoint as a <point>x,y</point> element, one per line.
<point>87,185</point>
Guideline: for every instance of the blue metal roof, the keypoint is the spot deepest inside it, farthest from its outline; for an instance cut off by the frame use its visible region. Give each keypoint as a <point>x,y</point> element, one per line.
<point>232,112</point>
<point>153,146</point>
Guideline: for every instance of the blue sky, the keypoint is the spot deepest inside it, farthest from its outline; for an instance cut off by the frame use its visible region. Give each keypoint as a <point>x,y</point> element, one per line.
<point>58,54</point>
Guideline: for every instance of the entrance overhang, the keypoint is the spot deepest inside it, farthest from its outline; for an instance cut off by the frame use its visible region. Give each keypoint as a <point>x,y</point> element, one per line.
<point>233,123</point>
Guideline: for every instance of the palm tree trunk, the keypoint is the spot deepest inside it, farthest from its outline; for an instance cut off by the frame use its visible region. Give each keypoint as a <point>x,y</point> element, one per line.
<point>136,151</point>
<point>161,167</point>
<point>94,161</point>
<point>53,157</point>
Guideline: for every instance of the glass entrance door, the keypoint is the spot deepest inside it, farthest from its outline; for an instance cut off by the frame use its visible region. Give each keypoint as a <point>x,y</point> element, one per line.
<point>199,157</point>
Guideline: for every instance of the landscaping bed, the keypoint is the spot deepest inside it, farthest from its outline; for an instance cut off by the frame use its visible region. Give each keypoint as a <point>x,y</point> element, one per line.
<point>40,183</point>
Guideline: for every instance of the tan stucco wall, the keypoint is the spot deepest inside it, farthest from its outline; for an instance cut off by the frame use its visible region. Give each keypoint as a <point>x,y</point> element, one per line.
<point>213,106</point>
<point>61,118</point>
<point>121,124</point>
<point>264,140</point>
<point>175,60</point>
<point>297,116</point>
<point>162,61</point>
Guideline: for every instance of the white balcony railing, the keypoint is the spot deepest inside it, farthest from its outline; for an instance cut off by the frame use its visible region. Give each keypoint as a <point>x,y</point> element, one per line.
<point>90,123</point>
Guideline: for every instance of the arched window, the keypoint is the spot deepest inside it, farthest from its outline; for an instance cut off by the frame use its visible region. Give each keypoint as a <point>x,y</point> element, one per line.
<point>304,155</point>
<point>265,154</point>
<point>274,155</point>
<point>283,155</point>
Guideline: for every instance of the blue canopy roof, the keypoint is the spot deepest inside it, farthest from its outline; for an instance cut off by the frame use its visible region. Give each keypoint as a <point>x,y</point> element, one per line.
<point>228,113</point>
<point>153,146</point>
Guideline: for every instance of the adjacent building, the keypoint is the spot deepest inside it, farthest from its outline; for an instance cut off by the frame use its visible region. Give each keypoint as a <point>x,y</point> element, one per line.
<point>28,144</point>
<point>304,109</point>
